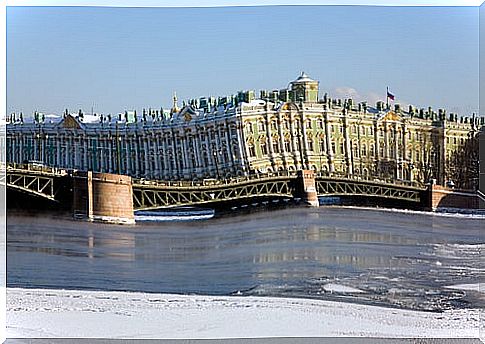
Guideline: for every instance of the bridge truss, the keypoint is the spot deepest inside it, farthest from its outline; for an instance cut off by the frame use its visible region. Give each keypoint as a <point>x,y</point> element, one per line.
<point>349,187</point>
<point>41,182</point>
<point>151,197</point>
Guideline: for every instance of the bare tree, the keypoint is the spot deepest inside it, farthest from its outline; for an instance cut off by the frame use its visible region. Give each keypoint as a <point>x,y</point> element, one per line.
<point>462,165</point>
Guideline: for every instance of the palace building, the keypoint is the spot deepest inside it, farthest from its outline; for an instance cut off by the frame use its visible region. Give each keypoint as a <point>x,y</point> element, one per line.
<point>281,130</point>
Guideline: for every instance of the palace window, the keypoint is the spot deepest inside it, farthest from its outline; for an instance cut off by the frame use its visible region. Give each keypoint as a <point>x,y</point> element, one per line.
<point>356,151</point>
<point>320,123</point>
<point>308,124</point>
<point>354,129</point>
<point>333,147</point>
<point>251,150</point>
<point>287,124</point>
<point>342,149</point>
<point>322,146</point>
<point>205,158</point>
<point>261,126</point>
<point>364,150</point>
<point>225,154</point>
<point>371,150</point>
<point>274,125</point>
<point>310,144</point>
<point>287,145</point>
<point>276,146</point>
<point>249,127</point>
<point>264,147</point>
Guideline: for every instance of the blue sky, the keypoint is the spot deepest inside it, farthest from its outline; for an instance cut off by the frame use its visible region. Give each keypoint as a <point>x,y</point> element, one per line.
<point>123,58</point>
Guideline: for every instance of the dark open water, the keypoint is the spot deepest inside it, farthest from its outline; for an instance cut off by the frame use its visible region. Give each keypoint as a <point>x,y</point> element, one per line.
<point>393,259</point>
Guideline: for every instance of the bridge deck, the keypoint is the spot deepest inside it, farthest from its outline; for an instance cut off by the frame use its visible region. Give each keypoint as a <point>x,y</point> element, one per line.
<point>150,194</point>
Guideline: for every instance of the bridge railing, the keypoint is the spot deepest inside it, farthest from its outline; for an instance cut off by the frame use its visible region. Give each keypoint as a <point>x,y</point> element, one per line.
<point>372,179</point>
<point>35,168</point>
<point>481,195</point>
<point>215,182</point>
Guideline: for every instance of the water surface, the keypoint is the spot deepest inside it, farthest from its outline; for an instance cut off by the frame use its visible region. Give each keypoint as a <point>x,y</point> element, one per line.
<point>356,255</point>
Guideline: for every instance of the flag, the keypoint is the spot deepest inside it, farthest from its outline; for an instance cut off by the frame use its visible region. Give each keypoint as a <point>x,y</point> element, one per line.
<point>390,95</point>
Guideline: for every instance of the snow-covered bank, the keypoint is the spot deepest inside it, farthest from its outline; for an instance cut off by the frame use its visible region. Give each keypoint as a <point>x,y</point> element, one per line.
<point>440,212</point>
<point>59,313</point>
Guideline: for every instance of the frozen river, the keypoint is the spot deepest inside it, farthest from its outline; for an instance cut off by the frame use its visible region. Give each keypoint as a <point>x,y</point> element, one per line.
<point>393,259</point>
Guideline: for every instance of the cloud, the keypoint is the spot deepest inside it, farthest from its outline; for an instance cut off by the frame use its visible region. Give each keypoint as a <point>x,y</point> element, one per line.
<point>348,92</point>
<point>370,97</point>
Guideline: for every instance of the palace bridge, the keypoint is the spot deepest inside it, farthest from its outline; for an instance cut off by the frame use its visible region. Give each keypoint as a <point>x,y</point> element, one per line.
<point>88,193</point>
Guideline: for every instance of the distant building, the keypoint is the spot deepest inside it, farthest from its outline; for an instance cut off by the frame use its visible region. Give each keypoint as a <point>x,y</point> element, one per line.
<point>282,130</point>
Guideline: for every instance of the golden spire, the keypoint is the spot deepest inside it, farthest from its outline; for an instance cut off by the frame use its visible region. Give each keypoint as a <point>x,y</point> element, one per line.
<point>175,107</point>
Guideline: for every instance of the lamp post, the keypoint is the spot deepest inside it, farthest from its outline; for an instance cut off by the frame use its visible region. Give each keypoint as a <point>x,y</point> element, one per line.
<point>411,168</point>
<point>300,150</point>
<point>216,161</point>
<point>118,157</point>
<point>359,122</point>
<point>47,150</point>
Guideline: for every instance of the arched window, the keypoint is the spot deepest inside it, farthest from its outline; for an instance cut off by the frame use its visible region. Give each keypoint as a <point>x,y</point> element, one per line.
<point>276,146</point>
<point>264,146</point>
<point>322,145</point>
<point>287,123</point>
<point>252,152</point>
<point>287,145</point>
<point>310,144</point>
<point>274,125</point>
<point>364,150</point>
<point>320,123</point>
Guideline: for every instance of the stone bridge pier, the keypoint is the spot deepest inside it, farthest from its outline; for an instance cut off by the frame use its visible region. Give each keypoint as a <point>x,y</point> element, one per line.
<point>306,187</point>
<point>443,197</point>
<point>103,197</point>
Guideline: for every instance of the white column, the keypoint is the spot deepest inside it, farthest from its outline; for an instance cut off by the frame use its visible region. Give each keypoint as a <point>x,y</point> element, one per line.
<point>146,149</point>
<point>86,147</point>
<point>127,142</point>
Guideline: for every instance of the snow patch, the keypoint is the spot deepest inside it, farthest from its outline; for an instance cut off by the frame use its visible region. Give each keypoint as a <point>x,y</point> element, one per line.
<point>42,313</point>
<point>338,288</point>
<point>480,287</point>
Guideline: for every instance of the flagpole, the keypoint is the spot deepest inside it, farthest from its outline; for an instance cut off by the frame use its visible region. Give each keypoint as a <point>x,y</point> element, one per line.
<point>387,97</point>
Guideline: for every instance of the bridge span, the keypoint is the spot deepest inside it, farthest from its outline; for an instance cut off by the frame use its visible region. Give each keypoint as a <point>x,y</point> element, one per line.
<point>157,194</point>
<point>114,198</point>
